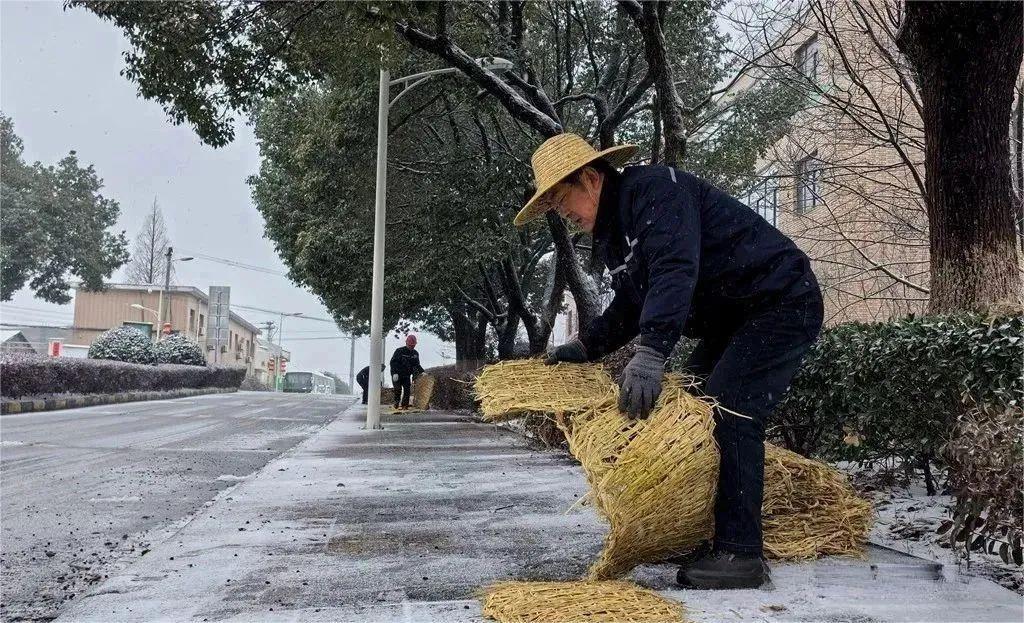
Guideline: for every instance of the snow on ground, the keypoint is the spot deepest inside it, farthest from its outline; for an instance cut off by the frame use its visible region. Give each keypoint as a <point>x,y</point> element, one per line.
<point>907,520</point>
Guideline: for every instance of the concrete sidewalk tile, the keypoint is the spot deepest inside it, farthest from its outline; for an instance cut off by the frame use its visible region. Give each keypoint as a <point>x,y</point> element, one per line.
<point>408,523</point>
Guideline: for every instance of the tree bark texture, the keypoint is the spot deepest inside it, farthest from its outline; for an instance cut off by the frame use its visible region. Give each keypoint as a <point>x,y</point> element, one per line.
<point>967,56</point>
<point>648,20</point>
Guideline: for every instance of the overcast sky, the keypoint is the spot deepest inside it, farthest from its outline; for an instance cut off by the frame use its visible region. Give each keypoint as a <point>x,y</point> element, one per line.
<point>60,82</point>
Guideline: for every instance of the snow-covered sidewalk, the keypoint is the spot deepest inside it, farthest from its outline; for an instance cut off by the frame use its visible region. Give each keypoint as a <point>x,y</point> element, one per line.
<point>405,524</point>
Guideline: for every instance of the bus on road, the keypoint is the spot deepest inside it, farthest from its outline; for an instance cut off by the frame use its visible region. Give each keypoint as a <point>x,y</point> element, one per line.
<point>308,383</point>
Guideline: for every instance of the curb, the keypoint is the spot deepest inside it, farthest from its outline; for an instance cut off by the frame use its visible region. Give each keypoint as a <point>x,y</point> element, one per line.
<point>11,407</point>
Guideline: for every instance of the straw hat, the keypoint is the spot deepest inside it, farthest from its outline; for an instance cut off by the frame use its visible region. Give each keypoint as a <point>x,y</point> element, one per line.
<point>556,159</point>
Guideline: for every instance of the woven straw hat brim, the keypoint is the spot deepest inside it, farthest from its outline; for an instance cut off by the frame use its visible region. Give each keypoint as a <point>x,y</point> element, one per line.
<point>616,156</point>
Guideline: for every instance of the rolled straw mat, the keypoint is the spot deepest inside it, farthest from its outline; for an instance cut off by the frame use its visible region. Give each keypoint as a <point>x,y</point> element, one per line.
<point>654,480</point>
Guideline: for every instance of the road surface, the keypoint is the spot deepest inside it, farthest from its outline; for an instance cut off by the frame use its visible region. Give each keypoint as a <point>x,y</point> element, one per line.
<point>83,492</point>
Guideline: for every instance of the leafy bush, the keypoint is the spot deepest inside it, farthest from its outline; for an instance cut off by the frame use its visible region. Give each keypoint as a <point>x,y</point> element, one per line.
<point>123,344</point>
<point>984,458</point>
<point>867,391</point>
<point>179,349</point>
<point>22,376</point>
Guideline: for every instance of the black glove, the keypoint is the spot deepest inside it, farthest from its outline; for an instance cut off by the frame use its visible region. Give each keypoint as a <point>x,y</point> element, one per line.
<point>641,382</point>
<point>573,352</point>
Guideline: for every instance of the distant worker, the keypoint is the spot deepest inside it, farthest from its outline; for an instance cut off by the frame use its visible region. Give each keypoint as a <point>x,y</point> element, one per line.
<point>363,378</point>
<point>405,364</point>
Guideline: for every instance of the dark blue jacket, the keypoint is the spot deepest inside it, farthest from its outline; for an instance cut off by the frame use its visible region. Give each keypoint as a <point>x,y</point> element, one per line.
<point>685,259</point>
<point>405,362</point>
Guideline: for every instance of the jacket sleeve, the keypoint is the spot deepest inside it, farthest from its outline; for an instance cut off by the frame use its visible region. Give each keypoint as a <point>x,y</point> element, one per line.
<point>614,328</point>
<point>666,218</point>
<point>416,367</point>
<point>395,365</point>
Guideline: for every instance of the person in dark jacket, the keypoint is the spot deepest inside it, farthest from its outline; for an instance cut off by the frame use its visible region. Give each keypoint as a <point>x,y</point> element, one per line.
<point>405,364</point>
<point>363,378</point>
<point>687,259</point>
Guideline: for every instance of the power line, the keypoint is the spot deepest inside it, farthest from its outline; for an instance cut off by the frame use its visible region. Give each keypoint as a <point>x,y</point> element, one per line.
<point>281,313</point>
<point>34,310</point>
<point>222,260</point>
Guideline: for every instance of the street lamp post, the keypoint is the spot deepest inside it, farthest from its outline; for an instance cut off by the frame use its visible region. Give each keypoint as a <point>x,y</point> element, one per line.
<point>384,104</point>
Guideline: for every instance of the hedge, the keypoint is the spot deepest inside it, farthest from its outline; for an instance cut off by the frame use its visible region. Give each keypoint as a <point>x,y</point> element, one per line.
<point>895,389</point>
<point>29,375</point>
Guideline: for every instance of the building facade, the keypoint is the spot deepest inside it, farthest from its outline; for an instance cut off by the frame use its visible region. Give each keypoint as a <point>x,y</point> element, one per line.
<point>847,180</point>
<point>187,309</point>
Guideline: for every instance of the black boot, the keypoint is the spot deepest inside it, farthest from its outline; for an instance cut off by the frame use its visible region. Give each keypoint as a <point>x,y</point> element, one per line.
<point>724,570</point>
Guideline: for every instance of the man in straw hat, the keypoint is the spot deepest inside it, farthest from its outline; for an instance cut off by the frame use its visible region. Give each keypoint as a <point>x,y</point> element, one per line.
<point>687,259</point>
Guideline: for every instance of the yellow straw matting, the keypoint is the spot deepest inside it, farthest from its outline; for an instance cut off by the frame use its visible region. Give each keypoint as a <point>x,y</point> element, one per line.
<point>810,509</point>
<point>511,389</point>
<point>422,390</point>
<point>654,480</point>
<point>574,602</point>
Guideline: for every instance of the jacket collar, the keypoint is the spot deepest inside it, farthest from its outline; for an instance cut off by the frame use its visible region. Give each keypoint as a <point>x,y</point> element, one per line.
<point>607,226</point>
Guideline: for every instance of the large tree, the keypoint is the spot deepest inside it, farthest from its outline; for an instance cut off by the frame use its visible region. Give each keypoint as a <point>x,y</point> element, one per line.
<point>55,224</point>
<point>149,255</point>
<point>967,56</point>
<point>606,70</point>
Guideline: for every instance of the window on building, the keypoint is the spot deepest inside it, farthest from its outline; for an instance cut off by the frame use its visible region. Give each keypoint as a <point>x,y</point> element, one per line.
<point>808,184</point>
<point>807,57</point>
<point>202,324</point>
<point>191,321</point>
<point>763,198</point>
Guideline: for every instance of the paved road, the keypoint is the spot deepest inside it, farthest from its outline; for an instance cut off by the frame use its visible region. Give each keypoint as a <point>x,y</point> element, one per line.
<point>85,491</point>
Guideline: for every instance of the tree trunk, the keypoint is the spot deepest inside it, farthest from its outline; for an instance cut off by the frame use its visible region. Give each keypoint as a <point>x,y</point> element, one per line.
<point>967,56</point>
<point>507,337</point>
<point>583,289</point>
<point>669,106</point>
<point>469,345</point>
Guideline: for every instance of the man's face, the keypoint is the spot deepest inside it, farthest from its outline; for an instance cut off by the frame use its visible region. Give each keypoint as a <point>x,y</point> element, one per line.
<point>578,202</point>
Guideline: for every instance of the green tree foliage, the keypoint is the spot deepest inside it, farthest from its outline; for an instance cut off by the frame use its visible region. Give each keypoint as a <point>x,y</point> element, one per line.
<point>449,205</point>
<point>55,224</point>
<point>459,155</point>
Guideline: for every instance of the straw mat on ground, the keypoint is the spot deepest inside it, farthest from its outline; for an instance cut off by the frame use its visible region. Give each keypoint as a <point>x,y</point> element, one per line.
<point>511,389</point>
<point>422,390</point>
<point>573,602</point>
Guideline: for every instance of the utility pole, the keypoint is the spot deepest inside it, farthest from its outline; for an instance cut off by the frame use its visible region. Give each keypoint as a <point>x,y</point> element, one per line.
<point>268,326</point>
<point>164,292</point>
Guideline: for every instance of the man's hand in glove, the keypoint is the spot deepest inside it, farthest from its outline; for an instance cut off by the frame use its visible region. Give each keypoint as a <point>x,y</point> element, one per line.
<point>394,378</point>
<point>641,382</point>
<point>572,352</point>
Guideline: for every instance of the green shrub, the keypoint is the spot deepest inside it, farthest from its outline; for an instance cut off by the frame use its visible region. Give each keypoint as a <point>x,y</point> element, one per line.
<point>867,391</point>
<point>179,349</point>
<point>123,344</point>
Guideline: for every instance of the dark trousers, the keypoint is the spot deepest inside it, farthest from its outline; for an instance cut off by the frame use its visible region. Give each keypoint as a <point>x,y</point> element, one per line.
<point>747,370</point>
<point>366,392</point>
<point>403,387</point>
